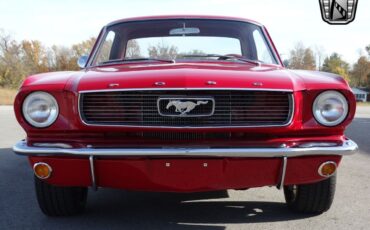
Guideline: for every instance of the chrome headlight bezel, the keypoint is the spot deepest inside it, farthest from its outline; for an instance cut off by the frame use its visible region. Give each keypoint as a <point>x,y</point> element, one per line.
<point>48,109</point>
<point>338,106</point>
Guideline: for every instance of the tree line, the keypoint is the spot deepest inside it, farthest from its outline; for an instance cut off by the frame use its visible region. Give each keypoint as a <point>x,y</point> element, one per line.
<point>27,57</point>
<point>357,75</point>
<point>21,59</point>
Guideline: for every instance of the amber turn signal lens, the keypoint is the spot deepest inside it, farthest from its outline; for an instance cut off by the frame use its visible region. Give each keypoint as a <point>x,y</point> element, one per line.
<point>42,170</point>
<point>327,169</point>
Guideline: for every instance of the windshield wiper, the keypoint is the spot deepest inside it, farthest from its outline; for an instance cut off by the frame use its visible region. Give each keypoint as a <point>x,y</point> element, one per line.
<point>225,57</point>
<point>135,60</point>
<point>149,59</point>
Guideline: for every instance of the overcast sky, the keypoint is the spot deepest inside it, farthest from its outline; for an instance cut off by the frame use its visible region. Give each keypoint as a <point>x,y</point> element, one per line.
<point>65,22</point>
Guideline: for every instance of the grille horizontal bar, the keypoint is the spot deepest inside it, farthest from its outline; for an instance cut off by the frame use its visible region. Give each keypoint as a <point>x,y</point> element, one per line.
<point>232,108</point>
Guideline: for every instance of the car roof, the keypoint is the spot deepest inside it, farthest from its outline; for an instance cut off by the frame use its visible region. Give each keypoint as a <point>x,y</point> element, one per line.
<point>163,17</point>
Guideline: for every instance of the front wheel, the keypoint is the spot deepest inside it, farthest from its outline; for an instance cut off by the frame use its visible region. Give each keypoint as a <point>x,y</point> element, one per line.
<point>60,201</point>
<point>313,198</point>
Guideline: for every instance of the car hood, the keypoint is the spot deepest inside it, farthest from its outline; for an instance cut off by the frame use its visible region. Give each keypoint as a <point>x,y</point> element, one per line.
<point>188,75</point>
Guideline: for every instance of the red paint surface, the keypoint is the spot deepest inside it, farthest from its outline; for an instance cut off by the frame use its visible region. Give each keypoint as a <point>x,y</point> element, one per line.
<point>182,75</point>
<point>188,175</point>
<point>184,175</point>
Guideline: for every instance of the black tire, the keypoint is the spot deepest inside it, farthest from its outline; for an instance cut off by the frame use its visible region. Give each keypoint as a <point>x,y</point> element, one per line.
<point>313,198</point>
<point>60,201</point>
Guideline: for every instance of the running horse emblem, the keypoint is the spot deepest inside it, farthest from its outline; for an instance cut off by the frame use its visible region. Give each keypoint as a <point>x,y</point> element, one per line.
<point>184,107</point>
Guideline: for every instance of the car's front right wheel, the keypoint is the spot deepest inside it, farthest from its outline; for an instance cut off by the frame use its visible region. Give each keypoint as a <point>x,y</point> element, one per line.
<point>60,201</point>
<point>314,198</point>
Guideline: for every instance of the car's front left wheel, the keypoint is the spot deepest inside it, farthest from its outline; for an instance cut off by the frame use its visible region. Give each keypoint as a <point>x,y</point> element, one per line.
<point>314,198</point>
<point>60,201</point>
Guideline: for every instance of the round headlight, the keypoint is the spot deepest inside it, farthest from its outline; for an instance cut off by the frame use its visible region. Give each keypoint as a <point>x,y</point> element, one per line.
<point>330,108</point>
<point>40,109</point>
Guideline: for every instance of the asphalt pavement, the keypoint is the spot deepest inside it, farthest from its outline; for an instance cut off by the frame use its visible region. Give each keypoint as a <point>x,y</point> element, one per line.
<point>259,208</point>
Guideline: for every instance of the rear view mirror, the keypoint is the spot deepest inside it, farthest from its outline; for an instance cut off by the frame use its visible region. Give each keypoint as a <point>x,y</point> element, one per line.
<point>184,31</point>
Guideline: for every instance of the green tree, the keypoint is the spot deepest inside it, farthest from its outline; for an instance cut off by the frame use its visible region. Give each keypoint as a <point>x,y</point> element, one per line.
<point>335,64</point>
<point>77,50</point>
<point>18,60</point>
<point>191,52</point>
<point>162,50</point>
<point>84,47</point>
<point>133,49</point>
<point>286,63</point>
<point>12,70</point>
<point>360,75</point>
<point>302,58</point>
<point>63,59</point>
<point>34,57</point>
<point>319,54</point>
<point>309,61</point>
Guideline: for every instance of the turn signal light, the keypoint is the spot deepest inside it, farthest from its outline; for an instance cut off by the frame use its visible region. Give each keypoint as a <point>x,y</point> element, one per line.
<point>327,169</point>
<point>42,170</point>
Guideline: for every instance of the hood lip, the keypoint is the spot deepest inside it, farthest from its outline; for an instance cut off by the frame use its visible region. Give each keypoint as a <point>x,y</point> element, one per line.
<point>178,78</point>
<point>186,88</point>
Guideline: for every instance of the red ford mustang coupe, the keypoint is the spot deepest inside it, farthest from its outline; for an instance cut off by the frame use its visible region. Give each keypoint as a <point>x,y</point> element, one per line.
<point>184,104</point>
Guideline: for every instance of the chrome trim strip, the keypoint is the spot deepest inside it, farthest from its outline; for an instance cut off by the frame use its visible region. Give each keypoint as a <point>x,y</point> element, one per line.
<point>92,171</point>
<point>348,147</point>
<point>186,98</point>
<point>56,145</point>
<point>153,89</point>
<point>291,97</point>
<point>283,172</point>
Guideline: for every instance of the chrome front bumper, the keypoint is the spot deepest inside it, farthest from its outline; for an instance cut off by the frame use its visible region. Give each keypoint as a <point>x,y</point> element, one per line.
<point>348,147</point>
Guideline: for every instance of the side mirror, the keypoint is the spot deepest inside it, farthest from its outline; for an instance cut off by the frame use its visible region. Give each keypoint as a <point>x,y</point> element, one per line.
<point>82,61</point>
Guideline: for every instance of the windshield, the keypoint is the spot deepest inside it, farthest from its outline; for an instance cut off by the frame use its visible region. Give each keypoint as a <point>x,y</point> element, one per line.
<point>183,39</point>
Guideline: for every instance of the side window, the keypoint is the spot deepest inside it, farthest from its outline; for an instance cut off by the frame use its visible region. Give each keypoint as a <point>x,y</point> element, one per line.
<point>106,48</point>
<point>263,52</point>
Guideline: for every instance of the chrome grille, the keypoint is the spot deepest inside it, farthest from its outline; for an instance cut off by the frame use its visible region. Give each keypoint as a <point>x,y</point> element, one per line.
<point>232,108</point>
